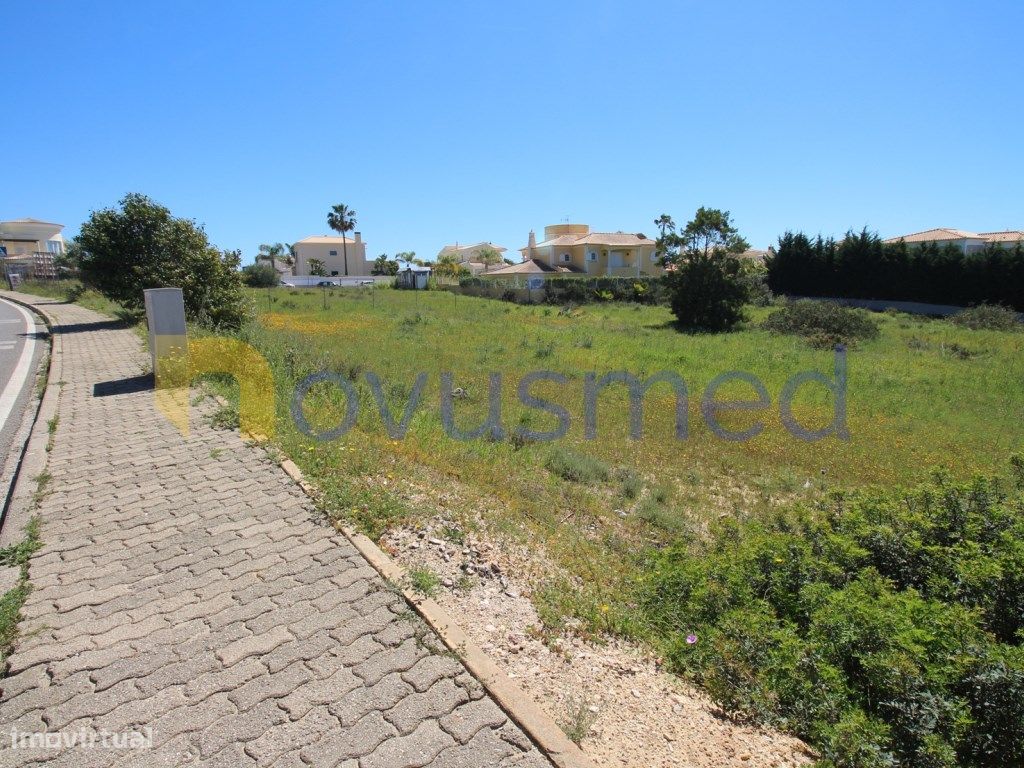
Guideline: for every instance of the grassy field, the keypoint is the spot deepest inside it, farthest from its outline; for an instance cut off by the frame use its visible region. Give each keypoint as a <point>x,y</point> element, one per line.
<point>925,393</point>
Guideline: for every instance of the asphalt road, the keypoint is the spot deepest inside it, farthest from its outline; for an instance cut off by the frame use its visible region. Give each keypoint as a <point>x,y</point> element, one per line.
<point>20,350</point>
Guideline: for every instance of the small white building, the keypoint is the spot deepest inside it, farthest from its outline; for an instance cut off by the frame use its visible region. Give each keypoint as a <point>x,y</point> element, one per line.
<point>331,252</point>
<point>469,255</point>
<point>29,237</point>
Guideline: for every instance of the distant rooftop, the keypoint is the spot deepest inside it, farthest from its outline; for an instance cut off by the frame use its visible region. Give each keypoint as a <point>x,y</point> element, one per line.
<point>948,233</point>
<point>596,238</point>
<point>326,240</point>
<point>485,244</point>
<point>31,221</point>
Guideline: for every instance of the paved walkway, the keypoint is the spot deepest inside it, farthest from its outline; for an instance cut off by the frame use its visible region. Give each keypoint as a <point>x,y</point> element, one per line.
<point>184,586</point>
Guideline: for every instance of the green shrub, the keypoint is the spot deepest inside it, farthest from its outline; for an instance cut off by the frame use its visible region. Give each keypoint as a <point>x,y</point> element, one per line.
<point>141,245</point>
<point>994,689</point>
<point>822,323</point>
<point>581,290</point>
<point>576,467</point>
<point>754,276</point>
<point>706,280</point>
<point>260,276</point>
<point>988,317</point>
<point>884,626</point>
<point>563,291</point>
<point>707,292</point>
<point>656,514</point>
<point>632,483</point>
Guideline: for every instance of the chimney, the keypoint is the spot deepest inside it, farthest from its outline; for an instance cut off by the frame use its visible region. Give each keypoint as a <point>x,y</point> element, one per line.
<point>531,244</point>
<point>359,237</point>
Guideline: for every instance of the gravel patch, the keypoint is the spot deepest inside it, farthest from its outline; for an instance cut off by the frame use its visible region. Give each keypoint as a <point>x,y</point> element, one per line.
<point>627,711</point>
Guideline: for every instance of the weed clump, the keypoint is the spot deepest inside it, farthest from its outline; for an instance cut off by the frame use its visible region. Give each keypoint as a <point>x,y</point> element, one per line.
<point>424,581</point>
<point>823,324</point>
<point>576,467</point>
<point>579,718</point>
<point>988,317</point>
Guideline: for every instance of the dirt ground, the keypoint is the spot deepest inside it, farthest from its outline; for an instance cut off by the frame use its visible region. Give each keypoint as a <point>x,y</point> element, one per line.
<point>627,711</point>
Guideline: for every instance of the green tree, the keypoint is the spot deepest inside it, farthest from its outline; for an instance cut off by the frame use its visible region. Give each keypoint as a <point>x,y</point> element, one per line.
<point>665,224</point>
<point>272,253</point>
<point>317,268</point>
<point>138,245</point>
<point>342,219</point>
<point>488,256</point>
<point>382,265</point>
<point>449,266</point>
<point>260,276</point>
<point>68,260</point>
<point>704,277</point>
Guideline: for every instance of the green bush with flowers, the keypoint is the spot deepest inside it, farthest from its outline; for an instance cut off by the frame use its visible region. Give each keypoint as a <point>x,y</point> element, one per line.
<point>885,626</point>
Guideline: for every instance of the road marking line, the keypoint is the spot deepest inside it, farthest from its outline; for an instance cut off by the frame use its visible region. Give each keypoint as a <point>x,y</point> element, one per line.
<point>21,371</point>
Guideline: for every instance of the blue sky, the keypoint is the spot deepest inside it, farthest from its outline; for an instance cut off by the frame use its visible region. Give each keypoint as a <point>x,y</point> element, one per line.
<point>440,122</point>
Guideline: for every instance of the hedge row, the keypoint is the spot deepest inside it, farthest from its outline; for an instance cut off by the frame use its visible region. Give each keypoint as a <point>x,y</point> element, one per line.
<point>861,266</point>
<point>574,290</point>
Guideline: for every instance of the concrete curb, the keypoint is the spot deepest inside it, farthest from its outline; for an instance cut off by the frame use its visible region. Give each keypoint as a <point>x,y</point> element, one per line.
<point>35,457</point>
<point>548,737</point>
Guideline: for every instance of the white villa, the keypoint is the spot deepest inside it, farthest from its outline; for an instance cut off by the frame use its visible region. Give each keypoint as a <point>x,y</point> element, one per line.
<point>331,252</point>
<point>28,248</point>
<point>968,242</point>
<point>469,256</point>
<point>572,249</point>
<point>29,237</point>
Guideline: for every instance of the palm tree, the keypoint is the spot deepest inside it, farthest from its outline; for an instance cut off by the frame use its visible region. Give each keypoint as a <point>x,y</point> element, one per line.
<point>271,253</point>
<point>342,219</point>
<point>488,256</point>
<point>665,224</point>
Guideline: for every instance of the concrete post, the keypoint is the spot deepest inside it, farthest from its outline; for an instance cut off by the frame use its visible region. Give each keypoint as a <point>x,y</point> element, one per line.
<point>168,346</point>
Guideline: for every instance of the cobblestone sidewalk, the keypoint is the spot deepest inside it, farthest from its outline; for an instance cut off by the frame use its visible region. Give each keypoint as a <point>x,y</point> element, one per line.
<point>185,587</point>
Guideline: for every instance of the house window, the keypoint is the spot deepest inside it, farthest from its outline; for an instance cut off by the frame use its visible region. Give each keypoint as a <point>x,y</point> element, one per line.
<point>592,256</point>
<point>333,253</point>
<point>654,256</point>
<point>53,246</point>
<point>566,257</point>
<point>334,273</point>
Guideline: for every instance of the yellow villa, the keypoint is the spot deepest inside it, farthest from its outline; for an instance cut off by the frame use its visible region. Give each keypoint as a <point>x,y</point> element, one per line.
<point>572,249</point>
